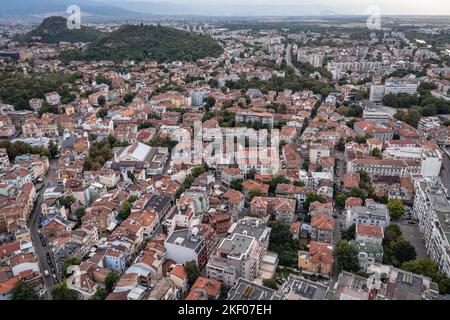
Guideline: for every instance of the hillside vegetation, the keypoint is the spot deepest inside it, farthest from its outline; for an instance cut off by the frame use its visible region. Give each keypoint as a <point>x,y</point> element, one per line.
<point>54,30</point>
<point>138,43</point>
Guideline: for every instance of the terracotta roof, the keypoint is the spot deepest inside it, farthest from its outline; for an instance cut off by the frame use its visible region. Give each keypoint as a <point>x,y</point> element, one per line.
<point>179,271</point>
<point>369,230</point>
<point>8,285</point>
<point>353,201</point>
<point>321,252</point>
<point>322,222</point>
<point>351,180</point>
<point>210,286</point>
<point>8,249</point>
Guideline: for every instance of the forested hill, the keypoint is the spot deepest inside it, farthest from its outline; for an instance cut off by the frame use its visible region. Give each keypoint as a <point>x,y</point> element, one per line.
<point>138,43</point>
<point>54,30</point>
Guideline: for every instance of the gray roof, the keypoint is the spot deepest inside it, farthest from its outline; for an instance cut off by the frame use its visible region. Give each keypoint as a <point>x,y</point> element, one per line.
<point>158,202</point>
<point>69,142</point>
<point>442,207</point>
<point>298,288</point>
<point>247,290</point>
<point>238,245</point>
<point>253,227</point>
<point>185,239</point>
<point>379,211</point>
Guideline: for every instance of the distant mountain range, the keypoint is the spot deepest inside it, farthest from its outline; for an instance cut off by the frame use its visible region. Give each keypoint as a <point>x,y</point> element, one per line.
<point>40,8</point>
<point>223,9</point>
<point>125,9</point>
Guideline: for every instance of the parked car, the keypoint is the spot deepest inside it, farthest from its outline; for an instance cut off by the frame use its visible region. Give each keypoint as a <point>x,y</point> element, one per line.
<point>46,273</point>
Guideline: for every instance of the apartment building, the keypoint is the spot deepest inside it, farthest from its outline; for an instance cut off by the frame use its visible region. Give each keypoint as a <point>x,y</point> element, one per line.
<point>374,214</point>
<point>432,209</point>
<point>186,245</point>
<point>239,254</point>
<point>377,129</point>
<point>34,128</point>
<point>384,167</point>
<point>255,117</point>
<point>376,115</point>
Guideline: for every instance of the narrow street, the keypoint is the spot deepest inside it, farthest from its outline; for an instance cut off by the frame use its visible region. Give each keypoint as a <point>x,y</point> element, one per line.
<point>41,251</point>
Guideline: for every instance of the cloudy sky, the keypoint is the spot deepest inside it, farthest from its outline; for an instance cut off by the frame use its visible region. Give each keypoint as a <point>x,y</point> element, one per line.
<point>435,7</point>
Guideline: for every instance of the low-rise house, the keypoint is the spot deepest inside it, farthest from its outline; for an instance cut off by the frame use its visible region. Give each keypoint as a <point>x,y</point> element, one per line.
<point>179,277</point>
<point>368,253</point>
<point>369,233</point>
<point>318,260</point>
<point>282,208</point>
<point>231,174</point>
<point>205,289</point>
<point>322,227</point>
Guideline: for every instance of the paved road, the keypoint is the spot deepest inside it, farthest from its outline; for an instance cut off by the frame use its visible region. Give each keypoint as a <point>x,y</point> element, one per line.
<point>412,234</point>
<point>41,251</point>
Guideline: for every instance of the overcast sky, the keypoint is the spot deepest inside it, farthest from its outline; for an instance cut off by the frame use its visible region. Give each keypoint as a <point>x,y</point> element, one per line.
<point>439,7</point>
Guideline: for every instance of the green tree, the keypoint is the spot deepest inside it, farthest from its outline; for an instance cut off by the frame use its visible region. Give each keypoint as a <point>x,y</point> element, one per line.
<point>66,201</point>
<point>349,234</point>
<point>209,103</point>
<point>340,200</point>
<point>254,193</point>
<point>192,272</point>
<point>282,243</point>
<point>298,183</point>
<point>313,197</point>
<point>102,113</point>
<point>396,208</point>
<point>80,212</point>
<point>376,153</point>
<point>110,281</point>
<point>275,181</point>
<point>53,149</point>
<point>100,294</point>
<point>251,174</point>
<point>358,193</point>
<point>128,98</point>
<point>67,263</point>
<point>404,251</point>
<point>347,256</point>
<point>23,291</point>
<point>61,292</point>
<point>236,184</point>
<point>270,283</point>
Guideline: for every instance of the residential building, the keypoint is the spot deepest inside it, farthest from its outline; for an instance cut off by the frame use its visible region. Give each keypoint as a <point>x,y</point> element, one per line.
<point>240,253</point>
<point>432,210</point>
<point>318,260</point>
<point>371,214</point>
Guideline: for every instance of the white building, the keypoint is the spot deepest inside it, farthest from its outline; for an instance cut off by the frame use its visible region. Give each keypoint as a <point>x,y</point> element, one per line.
<point>241,253</point>
<point>371,214</point>
<point>432,209</point>
<point>186,245</point>
<point>377,93</point>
